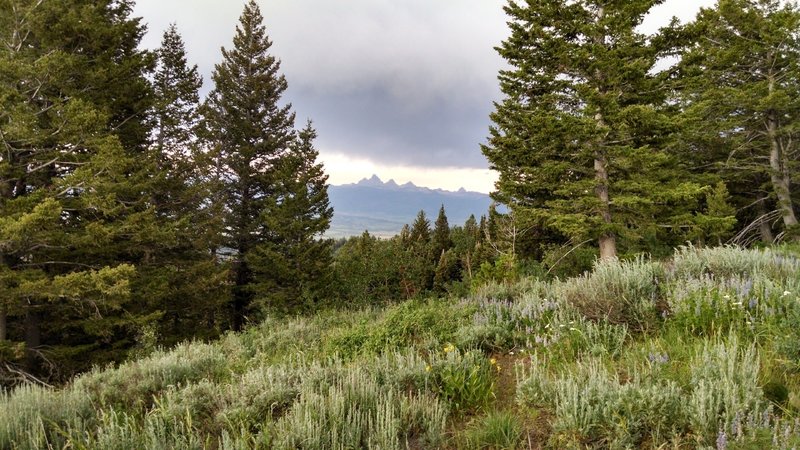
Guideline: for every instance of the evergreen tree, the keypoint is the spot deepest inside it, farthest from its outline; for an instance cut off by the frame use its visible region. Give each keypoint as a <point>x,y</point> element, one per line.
<point>741,87</point>
<point>255,149</point>
<point>441,241</point>
<point>579,139</point>
<point>466,241</point>
<point>185,281</point>
<point>74,221</point>
<point>292,263</point>
<point>420,234</point>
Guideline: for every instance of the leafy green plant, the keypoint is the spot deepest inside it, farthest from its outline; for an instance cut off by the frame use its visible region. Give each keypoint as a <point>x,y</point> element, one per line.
<point>464,379</point>
<point>498,430</point>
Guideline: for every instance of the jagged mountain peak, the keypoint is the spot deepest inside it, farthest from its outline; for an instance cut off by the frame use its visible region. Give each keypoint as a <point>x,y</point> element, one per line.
<point>373,181</point>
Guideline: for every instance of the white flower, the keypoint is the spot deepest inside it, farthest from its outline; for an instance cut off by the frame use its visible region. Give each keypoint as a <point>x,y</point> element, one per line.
<point>786,293</point>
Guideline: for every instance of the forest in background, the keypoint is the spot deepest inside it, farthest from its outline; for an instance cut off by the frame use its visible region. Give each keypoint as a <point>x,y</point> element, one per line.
<point>133,213</point>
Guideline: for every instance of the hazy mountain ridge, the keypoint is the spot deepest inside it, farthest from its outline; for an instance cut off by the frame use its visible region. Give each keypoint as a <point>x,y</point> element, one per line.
<point>383,208</point>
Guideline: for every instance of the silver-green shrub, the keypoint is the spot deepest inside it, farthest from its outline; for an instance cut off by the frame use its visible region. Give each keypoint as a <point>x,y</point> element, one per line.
<point>619,292</point>
<point>724,387</point>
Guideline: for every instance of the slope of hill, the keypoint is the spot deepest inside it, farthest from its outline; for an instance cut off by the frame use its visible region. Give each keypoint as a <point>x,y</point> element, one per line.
<point>383,208</point>
<point>699,352</point>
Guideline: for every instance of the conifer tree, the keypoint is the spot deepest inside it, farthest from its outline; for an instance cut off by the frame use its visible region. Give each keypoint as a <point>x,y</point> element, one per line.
<point>579,140</point>
<point>741,90</point>
<point>292,263</point>
<point>255,148</point>
<point>73,218</point>
<point>441,241</point>
<point>420,234</point>
<point>186,282</point>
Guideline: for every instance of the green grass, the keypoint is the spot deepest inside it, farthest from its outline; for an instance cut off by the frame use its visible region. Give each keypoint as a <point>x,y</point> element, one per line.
<point>695,352</point>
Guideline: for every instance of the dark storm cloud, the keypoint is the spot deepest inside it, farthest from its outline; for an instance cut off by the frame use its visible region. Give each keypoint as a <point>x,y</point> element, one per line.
<point>397,82</point>
<point>372,124</point>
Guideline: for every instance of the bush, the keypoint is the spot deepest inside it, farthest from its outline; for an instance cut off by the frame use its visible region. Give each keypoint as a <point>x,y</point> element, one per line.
<point>591,405</point>
<point>413,323</point>
<point>729,261</point>
<point>622,293</point>
<point>357,412</point>
<point>465,380</point>
<point>498,430</point>
<point>725,388</point>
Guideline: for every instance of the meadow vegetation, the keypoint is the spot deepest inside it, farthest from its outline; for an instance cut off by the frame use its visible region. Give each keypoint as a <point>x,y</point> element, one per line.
<point>699,351</point>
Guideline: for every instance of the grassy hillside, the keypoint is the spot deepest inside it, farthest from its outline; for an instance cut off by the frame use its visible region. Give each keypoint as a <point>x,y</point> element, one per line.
<point>699,351</point>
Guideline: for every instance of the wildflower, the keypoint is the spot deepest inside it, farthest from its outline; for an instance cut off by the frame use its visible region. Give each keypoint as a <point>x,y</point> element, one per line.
<point>427,368</point>
<point>498,368</point>
<point>511,353</point>
<point>658,358</point>
<point>726,297</point>
<point>722,441</point>
<point>786,293</point>
<point>449,348</point>
<point>753,303</point>
<point>493,361</point>
<point>747,287</point>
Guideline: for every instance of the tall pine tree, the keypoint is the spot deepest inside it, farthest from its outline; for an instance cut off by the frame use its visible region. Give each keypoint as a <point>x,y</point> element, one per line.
<point>184,281</point>
<point>292,263</point>
<point>740,87</point>
<point>74,220</point>
<point>255,149</point>
<point>579,139</point>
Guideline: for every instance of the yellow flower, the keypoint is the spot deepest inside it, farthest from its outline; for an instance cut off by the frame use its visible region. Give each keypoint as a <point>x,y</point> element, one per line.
<point>498,368</point>
<point>427,368</point>
<point>493,361</point>
<point>449,348</point>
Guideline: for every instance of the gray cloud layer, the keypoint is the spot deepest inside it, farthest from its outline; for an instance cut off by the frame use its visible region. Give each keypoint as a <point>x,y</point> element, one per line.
<point>397,82</point>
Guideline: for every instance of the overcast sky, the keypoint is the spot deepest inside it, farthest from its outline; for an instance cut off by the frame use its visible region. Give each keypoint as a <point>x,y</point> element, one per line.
<point>399,88</point>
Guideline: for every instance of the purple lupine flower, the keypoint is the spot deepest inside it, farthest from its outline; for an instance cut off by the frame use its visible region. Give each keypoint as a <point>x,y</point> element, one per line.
<point>722,441</point>
<point>746,288</point>
<point>736,426</point>
<point>753,303</point>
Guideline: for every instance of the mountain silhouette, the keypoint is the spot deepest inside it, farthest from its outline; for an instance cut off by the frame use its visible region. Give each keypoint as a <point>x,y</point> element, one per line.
<point>383,208</point>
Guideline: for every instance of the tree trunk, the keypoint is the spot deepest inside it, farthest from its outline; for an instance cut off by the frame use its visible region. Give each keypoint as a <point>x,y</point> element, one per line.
<point>607,241</point>
<point>781,181</point>
<point>3,323</point>
<point>33,338</point>
<point>766,231</point>
<point>241,295</point>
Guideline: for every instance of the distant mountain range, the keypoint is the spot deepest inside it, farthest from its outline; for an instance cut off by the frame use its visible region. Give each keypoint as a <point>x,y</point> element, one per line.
<point>383,208</point>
